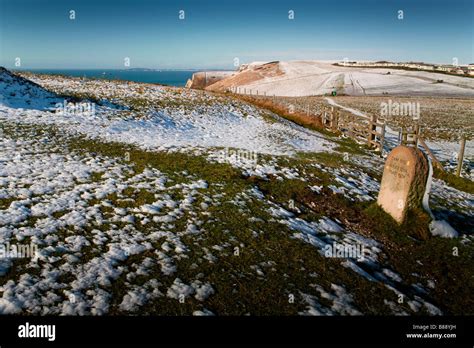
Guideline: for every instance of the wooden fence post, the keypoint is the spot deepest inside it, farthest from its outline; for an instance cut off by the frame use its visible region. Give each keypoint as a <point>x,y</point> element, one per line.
<point>335,120</point>
<point>404,136</point>
<point>351,126</point>
<point>461,156</point>
<point>382,138</point>
<point>372,129</point>
<point>416,135</point>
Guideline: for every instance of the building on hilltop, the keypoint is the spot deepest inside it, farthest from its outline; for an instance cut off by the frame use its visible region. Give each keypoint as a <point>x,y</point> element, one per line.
<point>470,69</point>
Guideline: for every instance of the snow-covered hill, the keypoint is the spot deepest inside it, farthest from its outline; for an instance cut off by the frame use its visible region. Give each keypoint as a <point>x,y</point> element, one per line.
<point>118,230</point>
<point>156,117</point>
<point>18,92</point>
<point>304,78</point>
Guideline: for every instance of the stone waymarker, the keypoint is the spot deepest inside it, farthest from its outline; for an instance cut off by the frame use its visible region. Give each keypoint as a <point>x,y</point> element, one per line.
<point>403,181</point>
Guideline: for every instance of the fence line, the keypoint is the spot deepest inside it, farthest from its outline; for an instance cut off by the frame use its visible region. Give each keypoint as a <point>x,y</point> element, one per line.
<point>370,130</point>
<point>361,129</point>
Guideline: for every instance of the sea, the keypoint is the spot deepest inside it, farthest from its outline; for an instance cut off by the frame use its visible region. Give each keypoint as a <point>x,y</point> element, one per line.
<point>176,78</point>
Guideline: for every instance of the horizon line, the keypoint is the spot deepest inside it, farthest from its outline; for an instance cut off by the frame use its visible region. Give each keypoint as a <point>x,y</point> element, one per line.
<point>157,69</point>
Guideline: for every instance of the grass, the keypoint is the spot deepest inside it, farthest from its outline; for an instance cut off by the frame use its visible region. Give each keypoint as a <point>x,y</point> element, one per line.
<point>459,183</point>
<point>5,202</point>
<point>298,117</point>
<point>239,289</point>
<point>441,119</point>
<point>430,258</point>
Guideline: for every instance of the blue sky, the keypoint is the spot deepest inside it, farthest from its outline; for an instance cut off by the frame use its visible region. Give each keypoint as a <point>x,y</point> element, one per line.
<point>214,32</point>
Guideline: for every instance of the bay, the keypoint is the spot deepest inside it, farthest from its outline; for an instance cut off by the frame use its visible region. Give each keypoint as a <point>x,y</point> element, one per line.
<point>176,78</point>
